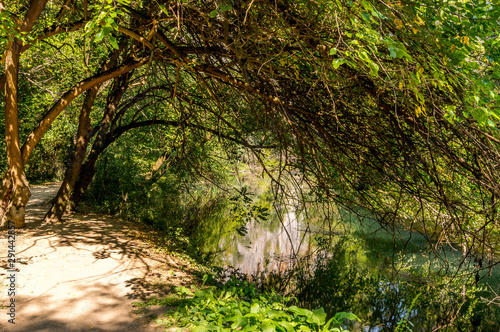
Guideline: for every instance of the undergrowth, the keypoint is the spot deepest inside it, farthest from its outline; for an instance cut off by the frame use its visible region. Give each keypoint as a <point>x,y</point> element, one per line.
<point>239,305</point>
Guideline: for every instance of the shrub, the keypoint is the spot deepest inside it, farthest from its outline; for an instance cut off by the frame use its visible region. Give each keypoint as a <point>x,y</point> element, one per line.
<point>239,306</point>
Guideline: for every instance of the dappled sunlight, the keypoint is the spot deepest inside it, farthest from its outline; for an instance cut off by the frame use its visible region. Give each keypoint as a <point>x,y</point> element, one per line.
<point>84,273</point>
<point>80,308</point>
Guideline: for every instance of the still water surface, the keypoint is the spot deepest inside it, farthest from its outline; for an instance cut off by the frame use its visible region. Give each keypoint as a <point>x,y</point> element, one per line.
<point>274,246</point>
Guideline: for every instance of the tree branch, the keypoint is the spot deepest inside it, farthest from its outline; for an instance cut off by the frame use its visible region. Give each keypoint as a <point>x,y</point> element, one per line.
<point>120,130</point>
<point>71,94</point>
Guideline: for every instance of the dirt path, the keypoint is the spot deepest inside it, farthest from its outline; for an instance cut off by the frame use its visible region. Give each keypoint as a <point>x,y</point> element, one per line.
<point>83,274</point>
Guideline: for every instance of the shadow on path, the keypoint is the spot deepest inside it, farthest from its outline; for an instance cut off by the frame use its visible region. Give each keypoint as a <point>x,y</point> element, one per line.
<point>83,274</point>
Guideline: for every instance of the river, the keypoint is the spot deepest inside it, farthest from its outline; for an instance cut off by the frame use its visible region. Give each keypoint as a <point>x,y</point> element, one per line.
<point>378,274</point>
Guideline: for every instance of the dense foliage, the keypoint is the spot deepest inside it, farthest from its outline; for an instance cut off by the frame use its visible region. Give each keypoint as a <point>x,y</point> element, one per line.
<point>359,105</point>
<point>239,305</point>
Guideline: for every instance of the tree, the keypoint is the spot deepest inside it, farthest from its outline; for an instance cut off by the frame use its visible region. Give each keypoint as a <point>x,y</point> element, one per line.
<point>14,212</point>
<point>376,104</point>
<point>15,190</point>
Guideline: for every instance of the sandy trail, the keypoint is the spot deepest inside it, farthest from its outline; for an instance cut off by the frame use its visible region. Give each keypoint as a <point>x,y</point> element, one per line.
<point>83,274</point>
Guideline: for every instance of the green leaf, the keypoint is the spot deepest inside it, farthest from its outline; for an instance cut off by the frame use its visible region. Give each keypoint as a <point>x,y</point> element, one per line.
<point>318,317</point>
<point>339,316</point>
<point>225,8</point>
<point>333,50</point>
<point>164,10</point>
<point>395,52</point>
<point>373,68</point>
<point>287,326</point>
<point>338,62</point>
<point>366,16</point>
<point>268,326</point>
<point>240,322</point>
<point>98,36</point>
<point>107,30</point>
<point>327,325</point>
<point>213,13</point>
<point>108,21</point>
<point>276,314</point>
<point>255,308</point>
<point>251,315</point>
<point>300,311</point>
<point>113,42</point>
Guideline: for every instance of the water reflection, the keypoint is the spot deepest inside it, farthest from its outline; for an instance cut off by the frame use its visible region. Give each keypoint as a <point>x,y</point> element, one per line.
<point>269,246</point>
<point>357,276</point>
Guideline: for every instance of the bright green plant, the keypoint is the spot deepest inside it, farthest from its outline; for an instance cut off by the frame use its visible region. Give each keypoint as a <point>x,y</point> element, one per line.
<point>239,306</point>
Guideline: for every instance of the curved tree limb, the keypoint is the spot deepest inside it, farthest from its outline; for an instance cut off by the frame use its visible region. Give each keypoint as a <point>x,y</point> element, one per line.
<point>71,94</point>
<point>120,130</point>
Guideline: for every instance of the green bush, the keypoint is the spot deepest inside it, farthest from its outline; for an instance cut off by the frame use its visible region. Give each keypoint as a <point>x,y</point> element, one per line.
<point>239,306</point>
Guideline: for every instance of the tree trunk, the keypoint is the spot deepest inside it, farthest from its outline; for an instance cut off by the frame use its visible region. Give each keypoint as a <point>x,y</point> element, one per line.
<point>87,173</point>
<point>83,135</point>
<point>14,184</point>
<point>5,193</point>
<point>14,211</point>
<point>88,169</point>
<point>102,140</point>
<point>63,196</point>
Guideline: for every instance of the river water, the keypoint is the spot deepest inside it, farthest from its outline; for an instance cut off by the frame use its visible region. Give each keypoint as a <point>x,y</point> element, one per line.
<point>269,246</point>
<point>274,246</point>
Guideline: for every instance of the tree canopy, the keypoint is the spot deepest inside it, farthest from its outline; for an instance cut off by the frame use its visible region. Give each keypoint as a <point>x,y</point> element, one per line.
<point>390,106</point>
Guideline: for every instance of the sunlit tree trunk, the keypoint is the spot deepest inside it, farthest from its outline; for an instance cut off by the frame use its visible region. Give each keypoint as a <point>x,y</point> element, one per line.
<point>19,194</point>
<point>15,190</point>
<point>5,192</point>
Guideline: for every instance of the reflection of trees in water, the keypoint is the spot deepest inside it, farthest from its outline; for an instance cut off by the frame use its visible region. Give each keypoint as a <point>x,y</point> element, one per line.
<point>355,276</point>
<point>269,249</point>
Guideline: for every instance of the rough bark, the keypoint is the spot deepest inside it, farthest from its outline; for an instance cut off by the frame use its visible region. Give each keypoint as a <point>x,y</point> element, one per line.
<point>14,211</point>
<point>15,191</point>
<point>5,193</point>
<point>87,173</point>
